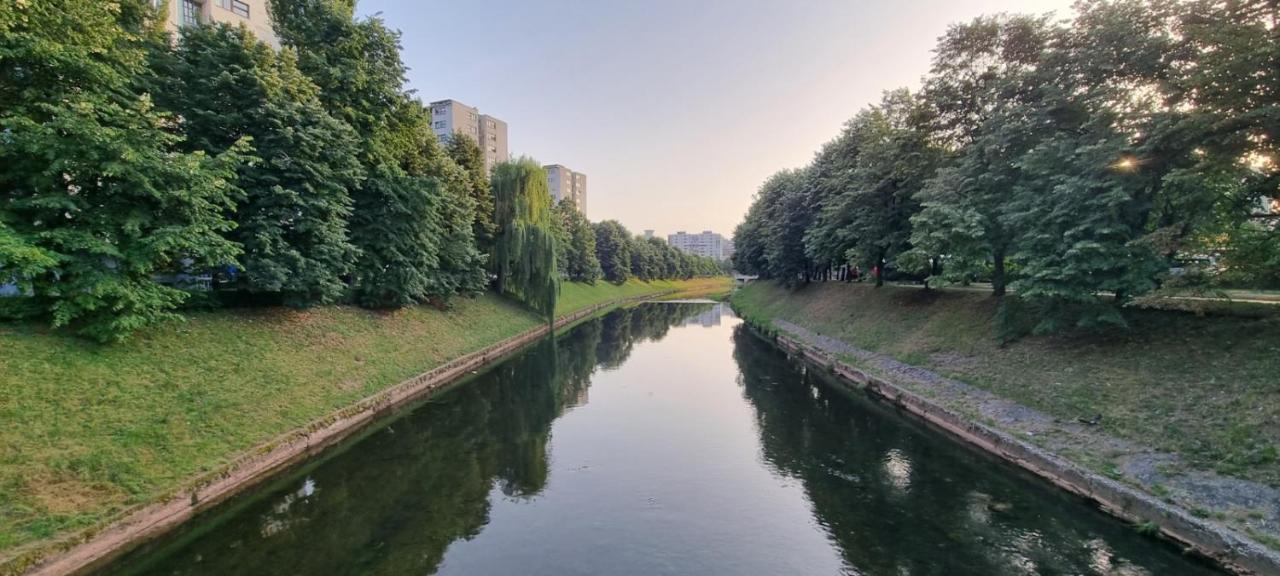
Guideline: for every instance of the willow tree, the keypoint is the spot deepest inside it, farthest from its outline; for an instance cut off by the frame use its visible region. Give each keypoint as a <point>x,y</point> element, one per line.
<point>524,250</point>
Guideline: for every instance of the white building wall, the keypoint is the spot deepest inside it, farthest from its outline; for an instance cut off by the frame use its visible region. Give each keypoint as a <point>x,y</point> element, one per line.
<point>707,244</point>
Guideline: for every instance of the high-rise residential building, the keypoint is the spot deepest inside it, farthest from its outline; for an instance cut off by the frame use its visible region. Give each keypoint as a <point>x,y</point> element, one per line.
<point>708,244</point>
<point>251,13</point>
<point>449,117</point>
<point>565,183</point>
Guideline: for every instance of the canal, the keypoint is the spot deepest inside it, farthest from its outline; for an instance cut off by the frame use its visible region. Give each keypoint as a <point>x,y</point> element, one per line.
<point>658,439</point>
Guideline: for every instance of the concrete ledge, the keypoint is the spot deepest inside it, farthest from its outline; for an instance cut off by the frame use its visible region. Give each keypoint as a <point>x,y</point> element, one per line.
<point>1230,549</point>
<point>87,551</point>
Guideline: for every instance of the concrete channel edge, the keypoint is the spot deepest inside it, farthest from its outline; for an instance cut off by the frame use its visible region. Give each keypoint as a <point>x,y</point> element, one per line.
<point>1233,551</point>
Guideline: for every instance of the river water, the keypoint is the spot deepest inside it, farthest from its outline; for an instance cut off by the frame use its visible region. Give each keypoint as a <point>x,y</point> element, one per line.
<point>659,439</point>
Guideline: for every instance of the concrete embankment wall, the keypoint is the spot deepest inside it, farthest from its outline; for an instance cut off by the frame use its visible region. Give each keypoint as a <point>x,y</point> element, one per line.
<point>1231,550</point>
<point>89,552</point>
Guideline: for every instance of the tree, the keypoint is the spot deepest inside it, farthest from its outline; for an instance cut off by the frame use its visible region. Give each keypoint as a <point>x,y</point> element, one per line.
<point>979,73</point>
<point>613,249</point>
<point>524,254</point>
<point>467,155</point>
<point>577,241</point>
<point>292,212</point>
<point>787,214</point>
<point>98,198</point>
<point>828,240</point>
<point>749,240</point>
<point>405,214</point>
<point>871,214</point>
<point>462,267</point>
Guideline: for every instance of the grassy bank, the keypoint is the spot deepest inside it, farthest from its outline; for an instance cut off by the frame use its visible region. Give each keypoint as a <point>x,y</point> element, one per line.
<point>1207,387</point>
<point>89,430</point>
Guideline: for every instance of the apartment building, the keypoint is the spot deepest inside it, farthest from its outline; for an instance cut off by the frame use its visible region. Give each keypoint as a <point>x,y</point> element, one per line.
<point>565,183</point>
<point>708,244</point>
<point>450,117</point>
<point>252,13</point>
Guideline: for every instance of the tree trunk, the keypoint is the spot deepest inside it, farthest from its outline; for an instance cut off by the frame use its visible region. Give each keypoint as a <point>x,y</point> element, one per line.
<point>997,273</point>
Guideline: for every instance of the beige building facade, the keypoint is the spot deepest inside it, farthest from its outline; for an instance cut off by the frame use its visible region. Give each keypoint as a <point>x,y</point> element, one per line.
<point>565,183</point>
<point>254,14</point>
<point>450,117</point>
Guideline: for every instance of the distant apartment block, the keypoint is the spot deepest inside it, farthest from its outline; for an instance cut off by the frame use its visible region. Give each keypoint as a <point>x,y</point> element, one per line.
<point>565,183</point>
<point>449,117</point>
<point>251,13</point>
<point>707,244</point>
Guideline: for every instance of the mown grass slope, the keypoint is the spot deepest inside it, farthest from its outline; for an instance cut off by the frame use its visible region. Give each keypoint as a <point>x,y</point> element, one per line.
<point>87,430</point>
<point>1206,387</point>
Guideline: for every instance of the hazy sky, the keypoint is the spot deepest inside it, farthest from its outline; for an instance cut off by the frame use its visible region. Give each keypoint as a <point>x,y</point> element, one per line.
<point>676,110</point>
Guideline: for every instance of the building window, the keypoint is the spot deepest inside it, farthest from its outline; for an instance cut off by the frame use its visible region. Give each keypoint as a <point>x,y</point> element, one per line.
<point>440,123</point>
<point>224,4</point>
<point>190,12</point>
<point>240,9</point>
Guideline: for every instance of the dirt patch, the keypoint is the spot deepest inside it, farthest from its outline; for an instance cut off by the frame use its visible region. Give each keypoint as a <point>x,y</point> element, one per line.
<point>952,361</point>
<point>66,496</point>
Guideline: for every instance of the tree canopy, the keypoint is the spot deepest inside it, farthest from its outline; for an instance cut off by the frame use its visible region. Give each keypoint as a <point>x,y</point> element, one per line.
<point>1075,162</point>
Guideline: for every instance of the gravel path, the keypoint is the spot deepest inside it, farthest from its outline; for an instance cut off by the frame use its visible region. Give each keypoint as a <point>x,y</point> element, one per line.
<point>1237,503</point>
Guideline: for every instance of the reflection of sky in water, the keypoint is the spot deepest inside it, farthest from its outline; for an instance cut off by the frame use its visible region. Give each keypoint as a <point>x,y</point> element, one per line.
<point>698,450</point>
<point>898,467</point>
<point>278,519</point>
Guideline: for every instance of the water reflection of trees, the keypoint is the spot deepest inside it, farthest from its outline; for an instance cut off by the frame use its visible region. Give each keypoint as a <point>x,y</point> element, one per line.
<point>393,502</point>
<point>898,499</point>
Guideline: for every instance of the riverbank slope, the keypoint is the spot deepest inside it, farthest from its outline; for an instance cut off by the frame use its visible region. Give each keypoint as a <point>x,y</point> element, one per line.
<point>90,431</point>
<point>1184,407</point>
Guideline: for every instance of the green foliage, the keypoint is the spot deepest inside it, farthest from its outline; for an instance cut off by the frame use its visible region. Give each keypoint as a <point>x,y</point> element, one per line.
<point>613,249</point>
<point>576,244</point>
<point>461,268</point>
<point>1072,161</point>
<point>524,255</point>
<point>293,212</point>
<point>865,219</point>
<point>397,227</point>
<point>467,155</point>
<point>771,241</point>
<point>414,213</point>
<point>99,200</point>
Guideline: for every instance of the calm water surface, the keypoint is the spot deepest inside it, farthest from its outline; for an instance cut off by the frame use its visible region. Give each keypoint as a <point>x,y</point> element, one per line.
<point>661,439</point>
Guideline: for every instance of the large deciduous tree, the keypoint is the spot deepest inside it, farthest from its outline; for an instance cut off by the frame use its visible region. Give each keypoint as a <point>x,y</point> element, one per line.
<point>787,214</point>
<point>292,212</point>
<point>405,216</point>
<point>613,248</point>
<point>979,77</point>
<point>98,198</point>
<point>577,241</point>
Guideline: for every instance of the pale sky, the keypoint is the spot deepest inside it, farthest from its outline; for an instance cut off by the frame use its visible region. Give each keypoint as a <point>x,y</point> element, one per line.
<point>676,110</point>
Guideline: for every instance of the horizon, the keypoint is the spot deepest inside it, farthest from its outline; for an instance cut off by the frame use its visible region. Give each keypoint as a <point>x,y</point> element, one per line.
<point>597,117</point>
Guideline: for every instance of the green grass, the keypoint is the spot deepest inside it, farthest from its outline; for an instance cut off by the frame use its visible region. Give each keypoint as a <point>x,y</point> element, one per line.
<point>1206,387</point>
<point>577,296</point>
<point>88,430</point>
